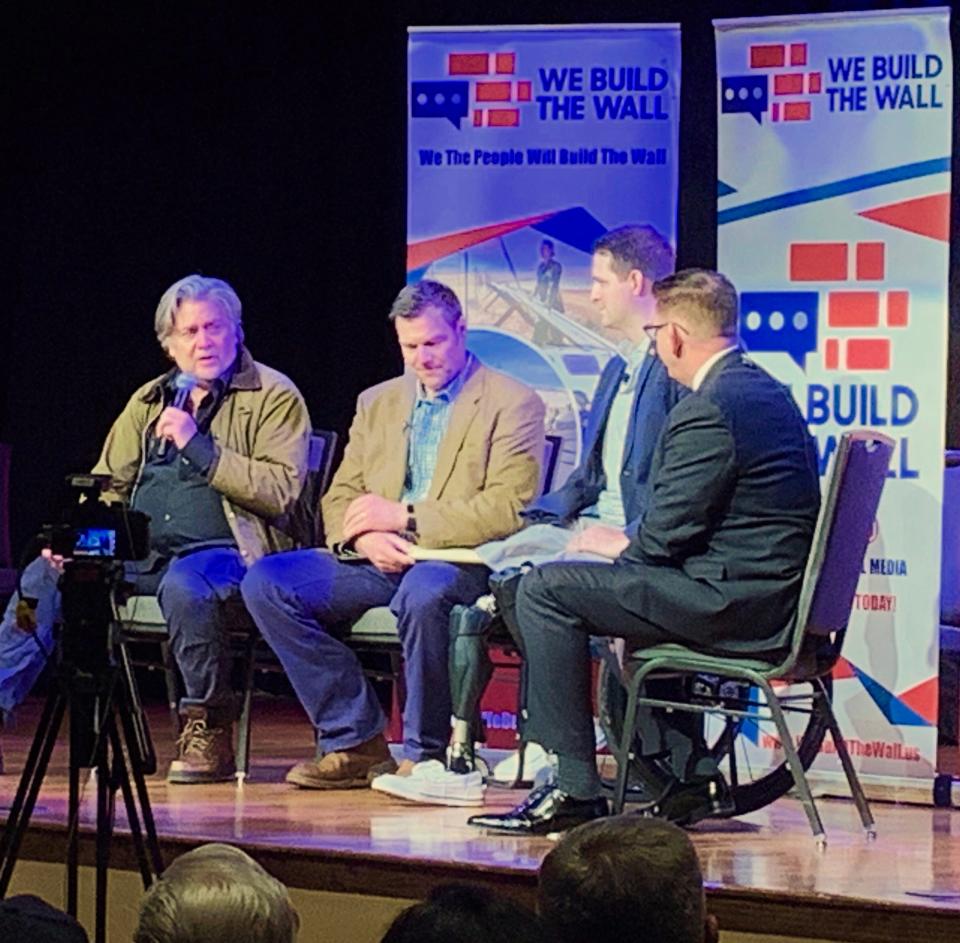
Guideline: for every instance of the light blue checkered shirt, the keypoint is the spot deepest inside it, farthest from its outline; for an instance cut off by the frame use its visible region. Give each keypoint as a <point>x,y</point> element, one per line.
<point>428,424</point>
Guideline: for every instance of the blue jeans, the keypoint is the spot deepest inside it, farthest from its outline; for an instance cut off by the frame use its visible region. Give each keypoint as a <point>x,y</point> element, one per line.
<point>199,595</point>
<point>294,597</point>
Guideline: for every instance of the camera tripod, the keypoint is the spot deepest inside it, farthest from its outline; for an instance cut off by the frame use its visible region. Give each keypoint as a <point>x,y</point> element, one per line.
<point>108,733</point>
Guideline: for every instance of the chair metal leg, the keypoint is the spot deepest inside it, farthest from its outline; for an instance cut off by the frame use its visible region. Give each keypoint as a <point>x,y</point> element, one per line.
<point>243,734</point>
<point>795,766</point>
<point>521,756</point>
<point>172,685</point>
<point>853,780</point>
<point>623,750</point>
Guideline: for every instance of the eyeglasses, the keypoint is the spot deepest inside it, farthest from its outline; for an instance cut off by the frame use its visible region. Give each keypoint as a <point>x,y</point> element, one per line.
<point>651,329</point>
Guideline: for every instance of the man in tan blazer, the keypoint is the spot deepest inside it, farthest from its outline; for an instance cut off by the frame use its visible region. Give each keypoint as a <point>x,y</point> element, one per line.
<point>444,456</point>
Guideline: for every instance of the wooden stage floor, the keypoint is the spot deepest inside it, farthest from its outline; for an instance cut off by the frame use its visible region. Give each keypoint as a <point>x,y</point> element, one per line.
<point>764,872</point>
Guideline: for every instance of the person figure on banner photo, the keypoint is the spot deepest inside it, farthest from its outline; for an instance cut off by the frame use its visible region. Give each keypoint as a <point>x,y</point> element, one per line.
<point>219,471</point>
<point>549,271</point>
<point>547,291</point>
<point>444,456</point>
<point>715,562</point>
<point>603,498</point>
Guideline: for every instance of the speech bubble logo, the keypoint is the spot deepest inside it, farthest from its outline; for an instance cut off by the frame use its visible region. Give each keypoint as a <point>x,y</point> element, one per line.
<point>744,93</point>
<point>450,100</point>
<point>781,321</point>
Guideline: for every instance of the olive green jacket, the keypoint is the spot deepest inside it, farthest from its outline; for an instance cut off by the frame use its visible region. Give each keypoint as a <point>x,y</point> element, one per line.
<point>261,435</point>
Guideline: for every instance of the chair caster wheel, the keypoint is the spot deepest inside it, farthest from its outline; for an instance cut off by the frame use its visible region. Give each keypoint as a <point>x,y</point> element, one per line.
<point>943,791</point>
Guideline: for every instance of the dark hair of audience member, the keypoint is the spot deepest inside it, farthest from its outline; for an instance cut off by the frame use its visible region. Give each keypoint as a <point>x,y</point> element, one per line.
<point>216,892</point>
<point>460,913</point>
<point>625,878</point>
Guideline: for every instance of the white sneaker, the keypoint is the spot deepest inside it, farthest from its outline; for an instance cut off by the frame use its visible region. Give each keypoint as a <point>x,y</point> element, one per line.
<point>431,783</point>
<point>536,763</point>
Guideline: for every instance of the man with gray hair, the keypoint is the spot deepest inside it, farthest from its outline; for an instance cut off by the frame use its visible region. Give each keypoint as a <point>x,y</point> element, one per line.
<point>215,452</point>
<point>444,456</point>
<point>217,892</point>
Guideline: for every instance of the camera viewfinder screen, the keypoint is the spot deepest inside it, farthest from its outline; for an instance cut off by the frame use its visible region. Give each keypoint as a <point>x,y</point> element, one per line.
<point>95,542</point>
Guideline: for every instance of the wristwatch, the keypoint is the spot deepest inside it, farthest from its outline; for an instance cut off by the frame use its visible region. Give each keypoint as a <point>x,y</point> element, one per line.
<point>410,531</point>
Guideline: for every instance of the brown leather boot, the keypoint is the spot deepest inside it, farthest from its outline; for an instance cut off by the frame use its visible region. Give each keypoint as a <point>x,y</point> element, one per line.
<point>204,750</point>
<point>343,769</point>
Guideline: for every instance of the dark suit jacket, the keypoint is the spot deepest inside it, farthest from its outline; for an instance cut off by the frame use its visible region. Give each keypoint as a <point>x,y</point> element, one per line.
<point>734,496</point>
<point>655,396</point>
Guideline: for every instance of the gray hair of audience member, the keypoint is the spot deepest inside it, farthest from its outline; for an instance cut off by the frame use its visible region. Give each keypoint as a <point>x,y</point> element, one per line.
<point>413,300</point>
<point>214,291</point>
<point>216,892</point>
<point>703,301</point>
<point>624,878</point>
<point>640,247</point>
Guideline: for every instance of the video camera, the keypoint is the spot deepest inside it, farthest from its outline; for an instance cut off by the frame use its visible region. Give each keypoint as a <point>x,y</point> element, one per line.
<point>92,530</point>
<point>95,540</point>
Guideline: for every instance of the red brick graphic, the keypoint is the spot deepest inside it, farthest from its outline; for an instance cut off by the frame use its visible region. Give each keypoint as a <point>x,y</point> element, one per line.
<point>768,57</point>
<point>468,63</point>
<point>493,92</point>
<point>868,353</point>
<point>503,118</point>
<point>818,261</point>
<point>853,309</point>
<point>790,83</point>
<point>870,261</point>
<point>898,308</point>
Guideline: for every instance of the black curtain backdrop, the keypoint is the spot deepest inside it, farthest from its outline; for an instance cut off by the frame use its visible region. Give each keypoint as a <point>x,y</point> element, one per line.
<point>268,148</point>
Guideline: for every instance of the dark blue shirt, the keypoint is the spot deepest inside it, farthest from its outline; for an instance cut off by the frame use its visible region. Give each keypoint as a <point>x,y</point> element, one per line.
<point>186,513</point>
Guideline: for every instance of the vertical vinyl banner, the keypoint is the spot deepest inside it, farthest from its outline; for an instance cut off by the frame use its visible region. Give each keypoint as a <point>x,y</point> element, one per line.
<point>834,194</point>
<point>525,145</point>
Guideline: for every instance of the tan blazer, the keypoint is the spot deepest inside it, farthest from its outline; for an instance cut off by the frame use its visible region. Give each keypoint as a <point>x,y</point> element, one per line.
<point>488,465</point>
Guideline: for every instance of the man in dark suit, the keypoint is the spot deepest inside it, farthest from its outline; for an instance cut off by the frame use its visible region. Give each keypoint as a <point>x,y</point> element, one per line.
<point>716,562</point>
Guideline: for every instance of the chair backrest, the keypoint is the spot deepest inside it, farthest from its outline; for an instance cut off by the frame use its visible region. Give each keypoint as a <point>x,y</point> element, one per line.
<point>950,559</point>
<point>551,455</point>
<point>323,443</point>
<point>843,530</point>
<point>308,525</point>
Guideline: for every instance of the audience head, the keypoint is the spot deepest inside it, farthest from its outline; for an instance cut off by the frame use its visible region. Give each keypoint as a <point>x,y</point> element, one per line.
<point>625,878</point>
<point>29,918</point>
<point>459,913</point>
<point>626,263</point>
<point>198,323</point>
<point>696,316</point>
<point>216,892</point>
<point>432,332</point>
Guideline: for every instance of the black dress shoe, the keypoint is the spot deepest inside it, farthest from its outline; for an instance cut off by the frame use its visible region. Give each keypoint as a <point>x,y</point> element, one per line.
<point>547,809</point>
<point>688,803</point>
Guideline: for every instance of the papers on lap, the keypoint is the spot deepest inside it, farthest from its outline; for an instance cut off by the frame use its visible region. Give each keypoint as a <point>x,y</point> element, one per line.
<point>447,554</point>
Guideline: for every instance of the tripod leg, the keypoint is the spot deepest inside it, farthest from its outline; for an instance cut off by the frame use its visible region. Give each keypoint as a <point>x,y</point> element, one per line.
<point>138,766</point>
<point>73,833</point>
<point>121,778</point>
<point>36,767</point>
<point>105,810</point>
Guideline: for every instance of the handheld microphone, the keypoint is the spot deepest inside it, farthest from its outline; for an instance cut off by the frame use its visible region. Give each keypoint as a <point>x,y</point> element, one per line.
<point>183,384</point>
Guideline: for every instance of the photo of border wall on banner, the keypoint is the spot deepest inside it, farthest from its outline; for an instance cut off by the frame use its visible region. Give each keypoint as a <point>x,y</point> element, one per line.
<point>833,214</point>
<point>526,145</point>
